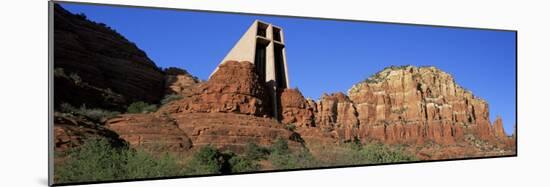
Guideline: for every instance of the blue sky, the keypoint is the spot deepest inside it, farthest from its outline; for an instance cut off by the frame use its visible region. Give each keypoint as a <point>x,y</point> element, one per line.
<point>326,56</point>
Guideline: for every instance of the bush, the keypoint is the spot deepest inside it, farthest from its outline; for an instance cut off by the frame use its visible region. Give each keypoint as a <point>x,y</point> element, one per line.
<point>243,164</point>
<point>280,147</point>
<point>94,114</point>
<point>97,160</point>
<point>379,153</point>
<point>170,98</point>
<point>255,152</point>
<point>142,165</point>
<point>300,159</point>
<point>290,127</point>
<point>282,158</point>
<point>207,160</point>
<point>141,107</point>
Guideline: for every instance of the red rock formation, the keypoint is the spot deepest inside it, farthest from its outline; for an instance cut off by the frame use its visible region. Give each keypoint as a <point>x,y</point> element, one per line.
<point>498,129</point>
<point>227,111</point>
<point>234,88</point>
<point>409,104</point>
<point>155,133</point>
<point>332,120</point>
<point>295,109</point>
<point>337,113</point>
<point>233,131</point>
<point>180,131</point>
<point>179,81</point>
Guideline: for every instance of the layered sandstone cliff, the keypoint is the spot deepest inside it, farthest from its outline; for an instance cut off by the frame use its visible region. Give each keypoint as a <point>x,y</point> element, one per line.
<point>410,104</point>
<point>399,105</point>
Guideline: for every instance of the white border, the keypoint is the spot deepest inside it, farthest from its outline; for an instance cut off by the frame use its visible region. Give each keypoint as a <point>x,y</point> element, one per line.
<point>25,105</point>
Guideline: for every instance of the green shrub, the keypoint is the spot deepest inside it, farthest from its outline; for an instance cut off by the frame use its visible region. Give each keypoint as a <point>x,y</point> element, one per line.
<point>208,160</point>
<point>255,152</point>
<point>170,98</point>
<point>142,165</point>
<point>281,156</point>
<point>97,160</point>
<point>290,127</point>
<point>94,114</point>
<point>379,153</point>
<point>300,159</point>
<point>280,146</point>
<point>141,107</point>
<point>243,164</point>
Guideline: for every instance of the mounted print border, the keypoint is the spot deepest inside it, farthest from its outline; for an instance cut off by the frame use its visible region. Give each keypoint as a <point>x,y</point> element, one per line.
<point>142,93</point>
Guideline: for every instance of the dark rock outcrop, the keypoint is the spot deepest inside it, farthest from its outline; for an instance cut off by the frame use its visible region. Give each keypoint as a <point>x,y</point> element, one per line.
<point>72,131</point>
<point>99,59</point>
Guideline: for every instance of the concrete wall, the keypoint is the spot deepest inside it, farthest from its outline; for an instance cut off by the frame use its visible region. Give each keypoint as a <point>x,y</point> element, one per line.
<point>245,50</point>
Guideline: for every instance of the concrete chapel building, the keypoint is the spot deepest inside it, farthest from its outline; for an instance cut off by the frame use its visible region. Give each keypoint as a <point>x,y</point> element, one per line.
<point>263,45</point>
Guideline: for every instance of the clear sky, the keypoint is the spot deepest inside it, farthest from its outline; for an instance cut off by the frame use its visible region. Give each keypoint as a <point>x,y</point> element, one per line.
<point>326,56</point>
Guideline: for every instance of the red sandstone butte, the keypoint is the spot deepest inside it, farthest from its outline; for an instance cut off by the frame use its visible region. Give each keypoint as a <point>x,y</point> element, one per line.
<point>234,88</point>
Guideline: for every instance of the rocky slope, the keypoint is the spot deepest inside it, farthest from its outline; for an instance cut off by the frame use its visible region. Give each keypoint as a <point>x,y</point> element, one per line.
<point>228,111</point>
<point>234,88</point>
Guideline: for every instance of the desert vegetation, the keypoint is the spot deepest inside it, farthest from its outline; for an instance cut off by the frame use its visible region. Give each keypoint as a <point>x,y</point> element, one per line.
<point>169,98</point>
<point>98,159</point>
<point>141,107</point>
